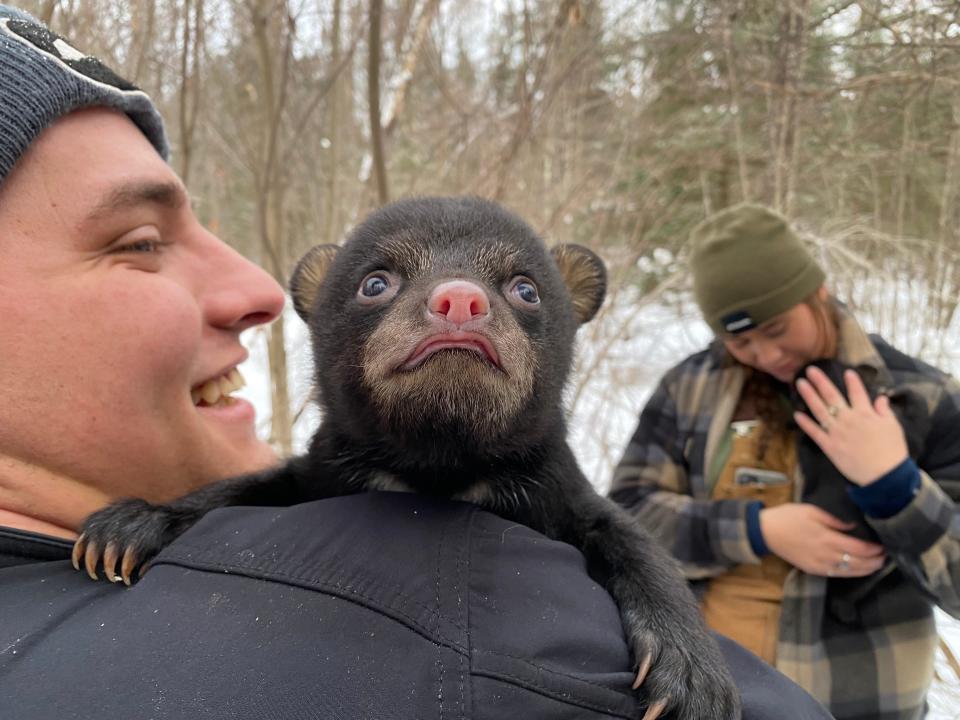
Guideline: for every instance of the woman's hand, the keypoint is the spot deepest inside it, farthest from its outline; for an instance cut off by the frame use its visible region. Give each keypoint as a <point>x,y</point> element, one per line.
<point>863,438</point>
<point>815,541</point>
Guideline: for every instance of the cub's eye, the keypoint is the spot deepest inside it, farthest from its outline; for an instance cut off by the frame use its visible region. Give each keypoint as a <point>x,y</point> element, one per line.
<point>525,289</point>
<point>374,284</point>
<point>378,288</point>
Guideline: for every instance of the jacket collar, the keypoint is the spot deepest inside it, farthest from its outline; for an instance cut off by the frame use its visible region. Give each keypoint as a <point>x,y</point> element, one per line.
<point>855,349</point>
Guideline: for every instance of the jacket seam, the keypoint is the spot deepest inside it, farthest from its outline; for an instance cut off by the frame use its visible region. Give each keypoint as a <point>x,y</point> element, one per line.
<point>551,693</point>
<point>343,590</point>
<point>548,670</point>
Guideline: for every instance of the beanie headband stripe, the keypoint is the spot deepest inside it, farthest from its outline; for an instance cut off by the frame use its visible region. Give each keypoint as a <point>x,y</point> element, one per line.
<point>66,52</point>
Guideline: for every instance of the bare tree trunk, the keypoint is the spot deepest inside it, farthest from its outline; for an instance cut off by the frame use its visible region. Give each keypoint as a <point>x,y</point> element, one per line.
<point>190,77</point>
<point>270,192</point>
<point>903,180</point>
<point>737,103</point>
<point>145,39</point>
<point>331,224</point>
<point>185,144</point>
<point>392,102</point>
<point>398,89</point>
<point>281,420</point>
<point>784,126</point>
<point>529,92</point>
<point>373,101</point>
<point>946,268</point>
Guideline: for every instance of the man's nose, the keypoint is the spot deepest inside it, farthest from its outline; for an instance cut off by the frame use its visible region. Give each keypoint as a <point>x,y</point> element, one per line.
<point>245,294</point>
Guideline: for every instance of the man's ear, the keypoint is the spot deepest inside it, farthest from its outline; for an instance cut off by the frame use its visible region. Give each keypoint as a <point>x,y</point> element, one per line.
<point>585,276</point>
<point>307,276</point>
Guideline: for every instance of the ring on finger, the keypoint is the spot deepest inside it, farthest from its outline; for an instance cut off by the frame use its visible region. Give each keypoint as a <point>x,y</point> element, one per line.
<point>833,410</point>
<point>844,563</point>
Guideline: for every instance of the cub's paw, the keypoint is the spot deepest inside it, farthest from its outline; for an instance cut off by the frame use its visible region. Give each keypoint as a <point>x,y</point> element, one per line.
<point>131,531</point>
<point>682,672</point>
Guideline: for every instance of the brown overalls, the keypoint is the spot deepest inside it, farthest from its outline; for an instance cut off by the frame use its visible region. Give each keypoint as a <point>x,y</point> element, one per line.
<point>744,603</point>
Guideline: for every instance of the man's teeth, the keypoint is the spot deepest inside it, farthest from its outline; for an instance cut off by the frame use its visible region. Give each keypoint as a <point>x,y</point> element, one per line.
<point>213,391</point>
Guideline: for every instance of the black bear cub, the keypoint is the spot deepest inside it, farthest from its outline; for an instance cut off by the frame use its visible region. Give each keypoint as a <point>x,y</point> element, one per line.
<point>442,336</point>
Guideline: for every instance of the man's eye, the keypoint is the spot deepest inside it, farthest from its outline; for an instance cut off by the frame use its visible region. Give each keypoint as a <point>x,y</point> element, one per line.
<point>138,246</point>
<point>144,246</point>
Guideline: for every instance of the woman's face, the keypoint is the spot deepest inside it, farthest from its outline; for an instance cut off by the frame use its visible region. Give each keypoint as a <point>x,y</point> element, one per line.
<point>783,344</point>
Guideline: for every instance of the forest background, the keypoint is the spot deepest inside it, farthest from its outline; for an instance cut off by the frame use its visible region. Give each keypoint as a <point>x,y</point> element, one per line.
<point>614,124</point>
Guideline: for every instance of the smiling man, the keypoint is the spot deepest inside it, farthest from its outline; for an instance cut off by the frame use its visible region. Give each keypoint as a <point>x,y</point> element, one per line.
<point>121,314</point>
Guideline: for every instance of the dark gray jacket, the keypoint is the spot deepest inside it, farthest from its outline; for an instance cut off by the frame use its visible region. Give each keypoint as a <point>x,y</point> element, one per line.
<point>382,605</point>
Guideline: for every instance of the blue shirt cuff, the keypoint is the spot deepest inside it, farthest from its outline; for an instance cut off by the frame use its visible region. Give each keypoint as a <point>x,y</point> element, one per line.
<point>754,533</point>
<point>889,494</point>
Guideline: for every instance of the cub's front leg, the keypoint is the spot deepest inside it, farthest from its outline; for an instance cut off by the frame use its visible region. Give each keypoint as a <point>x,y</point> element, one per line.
<point>678,663</point>
<point>133,531</point>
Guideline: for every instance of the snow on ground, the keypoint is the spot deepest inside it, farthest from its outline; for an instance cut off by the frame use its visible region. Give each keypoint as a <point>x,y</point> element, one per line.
<point>620,360</point>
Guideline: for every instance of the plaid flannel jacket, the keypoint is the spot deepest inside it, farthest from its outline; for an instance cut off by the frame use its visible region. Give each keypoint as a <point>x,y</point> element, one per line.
<point>879,664</point>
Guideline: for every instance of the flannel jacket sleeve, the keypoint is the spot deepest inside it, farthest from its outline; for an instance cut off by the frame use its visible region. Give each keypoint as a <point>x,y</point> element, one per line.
<point>924,537</point>
<point>654,483</point>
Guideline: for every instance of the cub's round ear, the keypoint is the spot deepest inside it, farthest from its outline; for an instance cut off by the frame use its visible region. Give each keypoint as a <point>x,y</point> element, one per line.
<point>307,276</point>
<point>585,276</point>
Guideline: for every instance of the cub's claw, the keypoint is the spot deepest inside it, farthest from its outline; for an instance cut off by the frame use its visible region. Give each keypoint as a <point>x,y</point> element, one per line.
<point>647,647</point>
<point>77,553</point>
<point>681,671</point>
<point>130,532</point>
<point>90,557</point>
<point>86,550</point>
<point>127,565</point>
<point>643,670</point>
<point>110,555</point>
<point>655,710</point>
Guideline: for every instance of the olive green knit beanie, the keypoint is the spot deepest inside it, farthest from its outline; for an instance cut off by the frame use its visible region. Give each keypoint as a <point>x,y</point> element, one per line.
<point>748,266</point>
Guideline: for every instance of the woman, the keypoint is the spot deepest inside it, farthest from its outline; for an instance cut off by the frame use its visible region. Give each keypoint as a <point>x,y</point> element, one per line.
<point>819,526</point>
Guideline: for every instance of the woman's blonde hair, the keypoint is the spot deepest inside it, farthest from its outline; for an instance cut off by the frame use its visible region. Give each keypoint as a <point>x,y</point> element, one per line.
<point>766,392</point>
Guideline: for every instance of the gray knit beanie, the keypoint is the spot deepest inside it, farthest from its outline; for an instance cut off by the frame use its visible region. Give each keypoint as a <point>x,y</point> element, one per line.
<point>43,78</point>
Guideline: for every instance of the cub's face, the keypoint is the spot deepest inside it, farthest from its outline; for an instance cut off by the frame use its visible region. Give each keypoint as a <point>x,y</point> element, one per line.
<point>445,318</point>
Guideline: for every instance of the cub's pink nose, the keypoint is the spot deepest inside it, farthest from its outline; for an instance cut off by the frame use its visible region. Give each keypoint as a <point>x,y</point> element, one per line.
<point>459,301</point>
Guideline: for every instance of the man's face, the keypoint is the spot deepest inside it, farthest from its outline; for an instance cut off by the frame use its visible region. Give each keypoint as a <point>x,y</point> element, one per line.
<point>115,304</point>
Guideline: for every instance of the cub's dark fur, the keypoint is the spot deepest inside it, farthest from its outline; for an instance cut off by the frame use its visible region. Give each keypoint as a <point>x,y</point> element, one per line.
<point>443,334</point>
<point>826,487</point>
